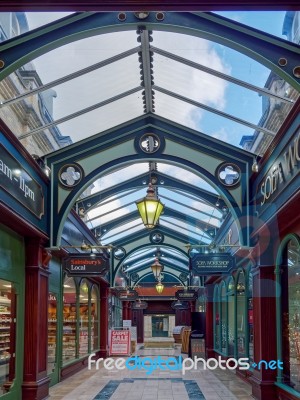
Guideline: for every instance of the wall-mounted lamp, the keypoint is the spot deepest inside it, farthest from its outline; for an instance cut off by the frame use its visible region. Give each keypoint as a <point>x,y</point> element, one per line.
<point>255,167</point>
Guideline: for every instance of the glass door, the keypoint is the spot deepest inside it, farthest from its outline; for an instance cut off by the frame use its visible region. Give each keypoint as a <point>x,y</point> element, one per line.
<point>160,326</point>
<point>52,338</point>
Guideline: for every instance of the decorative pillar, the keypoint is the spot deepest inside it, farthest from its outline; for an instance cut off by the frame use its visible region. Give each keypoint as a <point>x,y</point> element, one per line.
<point>192,306</point>
<point>125,310</point>
<point>129,315</point>
<point>35,380</point>
<point>209,322</point>
<point>264,330</point>
<point>104,294</point>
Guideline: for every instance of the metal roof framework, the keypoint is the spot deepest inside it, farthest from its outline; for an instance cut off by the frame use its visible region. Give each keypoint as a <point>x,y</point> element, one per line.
<point>209,200</point>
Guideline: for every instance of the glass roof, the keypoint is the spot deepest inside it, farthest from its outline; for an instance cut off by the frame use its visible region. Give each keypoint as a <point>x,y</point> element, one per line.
<point>94,84</point>
<point>197,83</point>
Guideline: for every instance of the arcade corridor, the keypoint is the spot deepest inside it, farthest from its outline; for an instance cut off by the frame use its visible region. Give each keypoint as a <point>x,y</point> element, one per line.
<point>149,201</point>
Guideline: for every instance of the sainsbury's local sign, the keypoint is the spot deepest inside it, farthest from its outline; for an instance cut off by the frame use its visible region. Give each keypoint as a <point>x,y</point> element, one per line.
<point>84,265</point>
<point>282,171</point>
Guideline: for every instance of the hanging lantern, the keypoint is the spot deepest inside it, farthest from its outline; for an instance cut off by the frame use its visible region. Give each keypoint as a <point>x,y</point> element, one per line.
<point>159,287</point>
<point>156,268</point>
<point>150,208</point>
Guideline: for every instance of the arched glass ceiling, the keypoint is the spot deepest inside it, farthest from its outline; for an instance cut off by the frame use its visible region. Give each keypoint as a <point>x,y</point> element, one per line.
<point>145,257</point>
<point>116,217</point>
<point>196,82</point>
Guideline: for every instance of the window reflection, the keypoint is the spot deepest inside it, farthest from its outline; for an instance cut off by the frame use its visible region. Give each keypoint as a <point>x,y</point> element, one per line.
<point>250,316</point>
<point>7,335</point>
<point>223,319</point>
<point>83,318</point>
<point>52,331</point>
<point>217,318</point>
<point>291,315</point>
<point>231,314</point>
<point>94,319</point>
<point>69,320</point>
<point>241,319</point>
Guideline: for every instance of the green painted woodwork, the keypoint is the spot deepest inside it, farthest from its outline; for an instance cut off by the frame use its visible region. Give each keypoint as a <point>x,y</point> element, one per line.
<point>12,268</point>
<point>55,288</point>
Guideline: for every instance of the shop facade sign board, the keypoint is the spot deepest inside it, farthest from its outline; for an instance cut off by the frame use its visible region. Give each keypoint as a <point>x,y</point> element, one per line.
<point>128,295</point>
<point>17,182</point>
<point>188,294</point>
<point>212,264</point>
<point>84,265</point>
<point>140,305</point>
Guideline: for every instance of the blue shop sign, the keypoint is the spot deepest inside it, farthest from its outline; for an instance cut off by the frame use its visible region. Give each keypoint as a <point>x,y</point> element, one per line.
<point>212,264</point>
<point>18,183</point>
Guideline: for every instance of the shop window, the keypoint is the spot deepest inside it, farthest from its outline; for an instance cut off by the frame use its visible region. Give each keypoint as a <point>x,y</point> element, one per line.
<point>7,335</point>
<point>217,318</point>
<point>250,317</point>
<point>231,316</point>
<point>241,320</point>
<point>95,319</point>
<point>290,314</point>
<point>201,303</point>
<point>223,318</point>
<point>116,311</point>
<point>84,318</point>
<point>69,321</point>
<point>52,332</point>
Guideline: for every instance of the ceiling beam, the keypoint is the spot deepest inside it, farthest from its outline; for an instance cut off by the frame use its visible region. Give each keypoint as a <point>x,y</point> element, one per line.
<point>92,201</point>
<point>150,5</point>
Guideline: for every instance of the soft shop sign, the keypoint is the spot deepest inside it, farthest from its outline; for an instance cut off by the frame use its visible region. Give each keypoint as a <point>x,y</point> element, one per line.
<point>82,265</point>
<point>282,171</point>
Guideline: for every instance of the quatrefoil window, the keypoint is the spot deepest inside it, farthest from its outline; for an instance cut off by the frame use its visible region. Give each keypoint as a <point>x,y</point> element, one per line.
<point>149,143</point>
<point>70,175</point>
<point>229,174</point>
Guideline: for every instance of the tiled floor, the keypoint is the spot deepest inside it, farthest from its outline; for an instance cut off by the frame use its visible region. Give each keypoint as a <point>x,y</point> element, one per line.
<point>133,384</point>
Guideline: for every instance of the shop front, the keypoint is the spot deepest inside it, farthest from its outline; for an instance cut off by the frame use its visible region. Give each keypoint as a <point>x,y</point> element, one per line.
<point>23,272</point>
<point>78,303</point>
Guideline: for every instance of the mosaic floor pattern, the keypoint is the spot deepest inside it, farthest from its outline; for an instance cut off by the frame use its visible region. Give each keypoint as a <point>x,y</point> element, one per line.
<point>162,387</point>
<point>134,384</point>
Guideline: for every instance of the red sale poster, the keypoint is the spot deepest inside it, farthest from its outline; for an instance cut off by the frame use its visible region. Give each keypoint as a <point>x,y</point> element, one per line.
<point>119,342</point>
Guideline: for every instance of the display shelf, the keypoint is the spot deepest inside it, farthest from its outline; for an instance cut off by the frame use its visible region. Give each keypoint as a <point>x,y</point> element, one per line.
<point>5,335</point>
<point>69,331</point>
<point>52,332</point>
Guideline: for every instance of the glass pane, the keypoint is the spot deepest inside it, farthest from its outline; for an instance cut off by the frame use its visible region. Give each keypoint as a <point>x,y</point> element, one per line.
<point>7,335</point>
<point>223,320</point>
<point>95,318</point>
<point>250,317</point>
<point>241,319</point>
<point>52,331</point>
<point>84,318</point>
<point>69,343</point>
<point>291,317</point>
<point>231,316</point>
<point>217,318</point>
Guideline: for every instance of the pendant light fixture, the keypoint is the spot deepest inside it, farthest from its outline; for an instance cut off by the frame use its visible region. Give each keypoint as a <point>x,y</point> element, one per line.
<point>150,208</point>
<point>159,287</point>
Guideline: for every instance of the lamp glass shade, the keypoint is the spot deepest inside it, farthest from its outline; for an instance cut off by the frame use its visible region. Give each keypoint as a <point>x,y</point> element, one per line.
<point>150,208</point>
<point>159,287</point>
<point>156,268</point>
